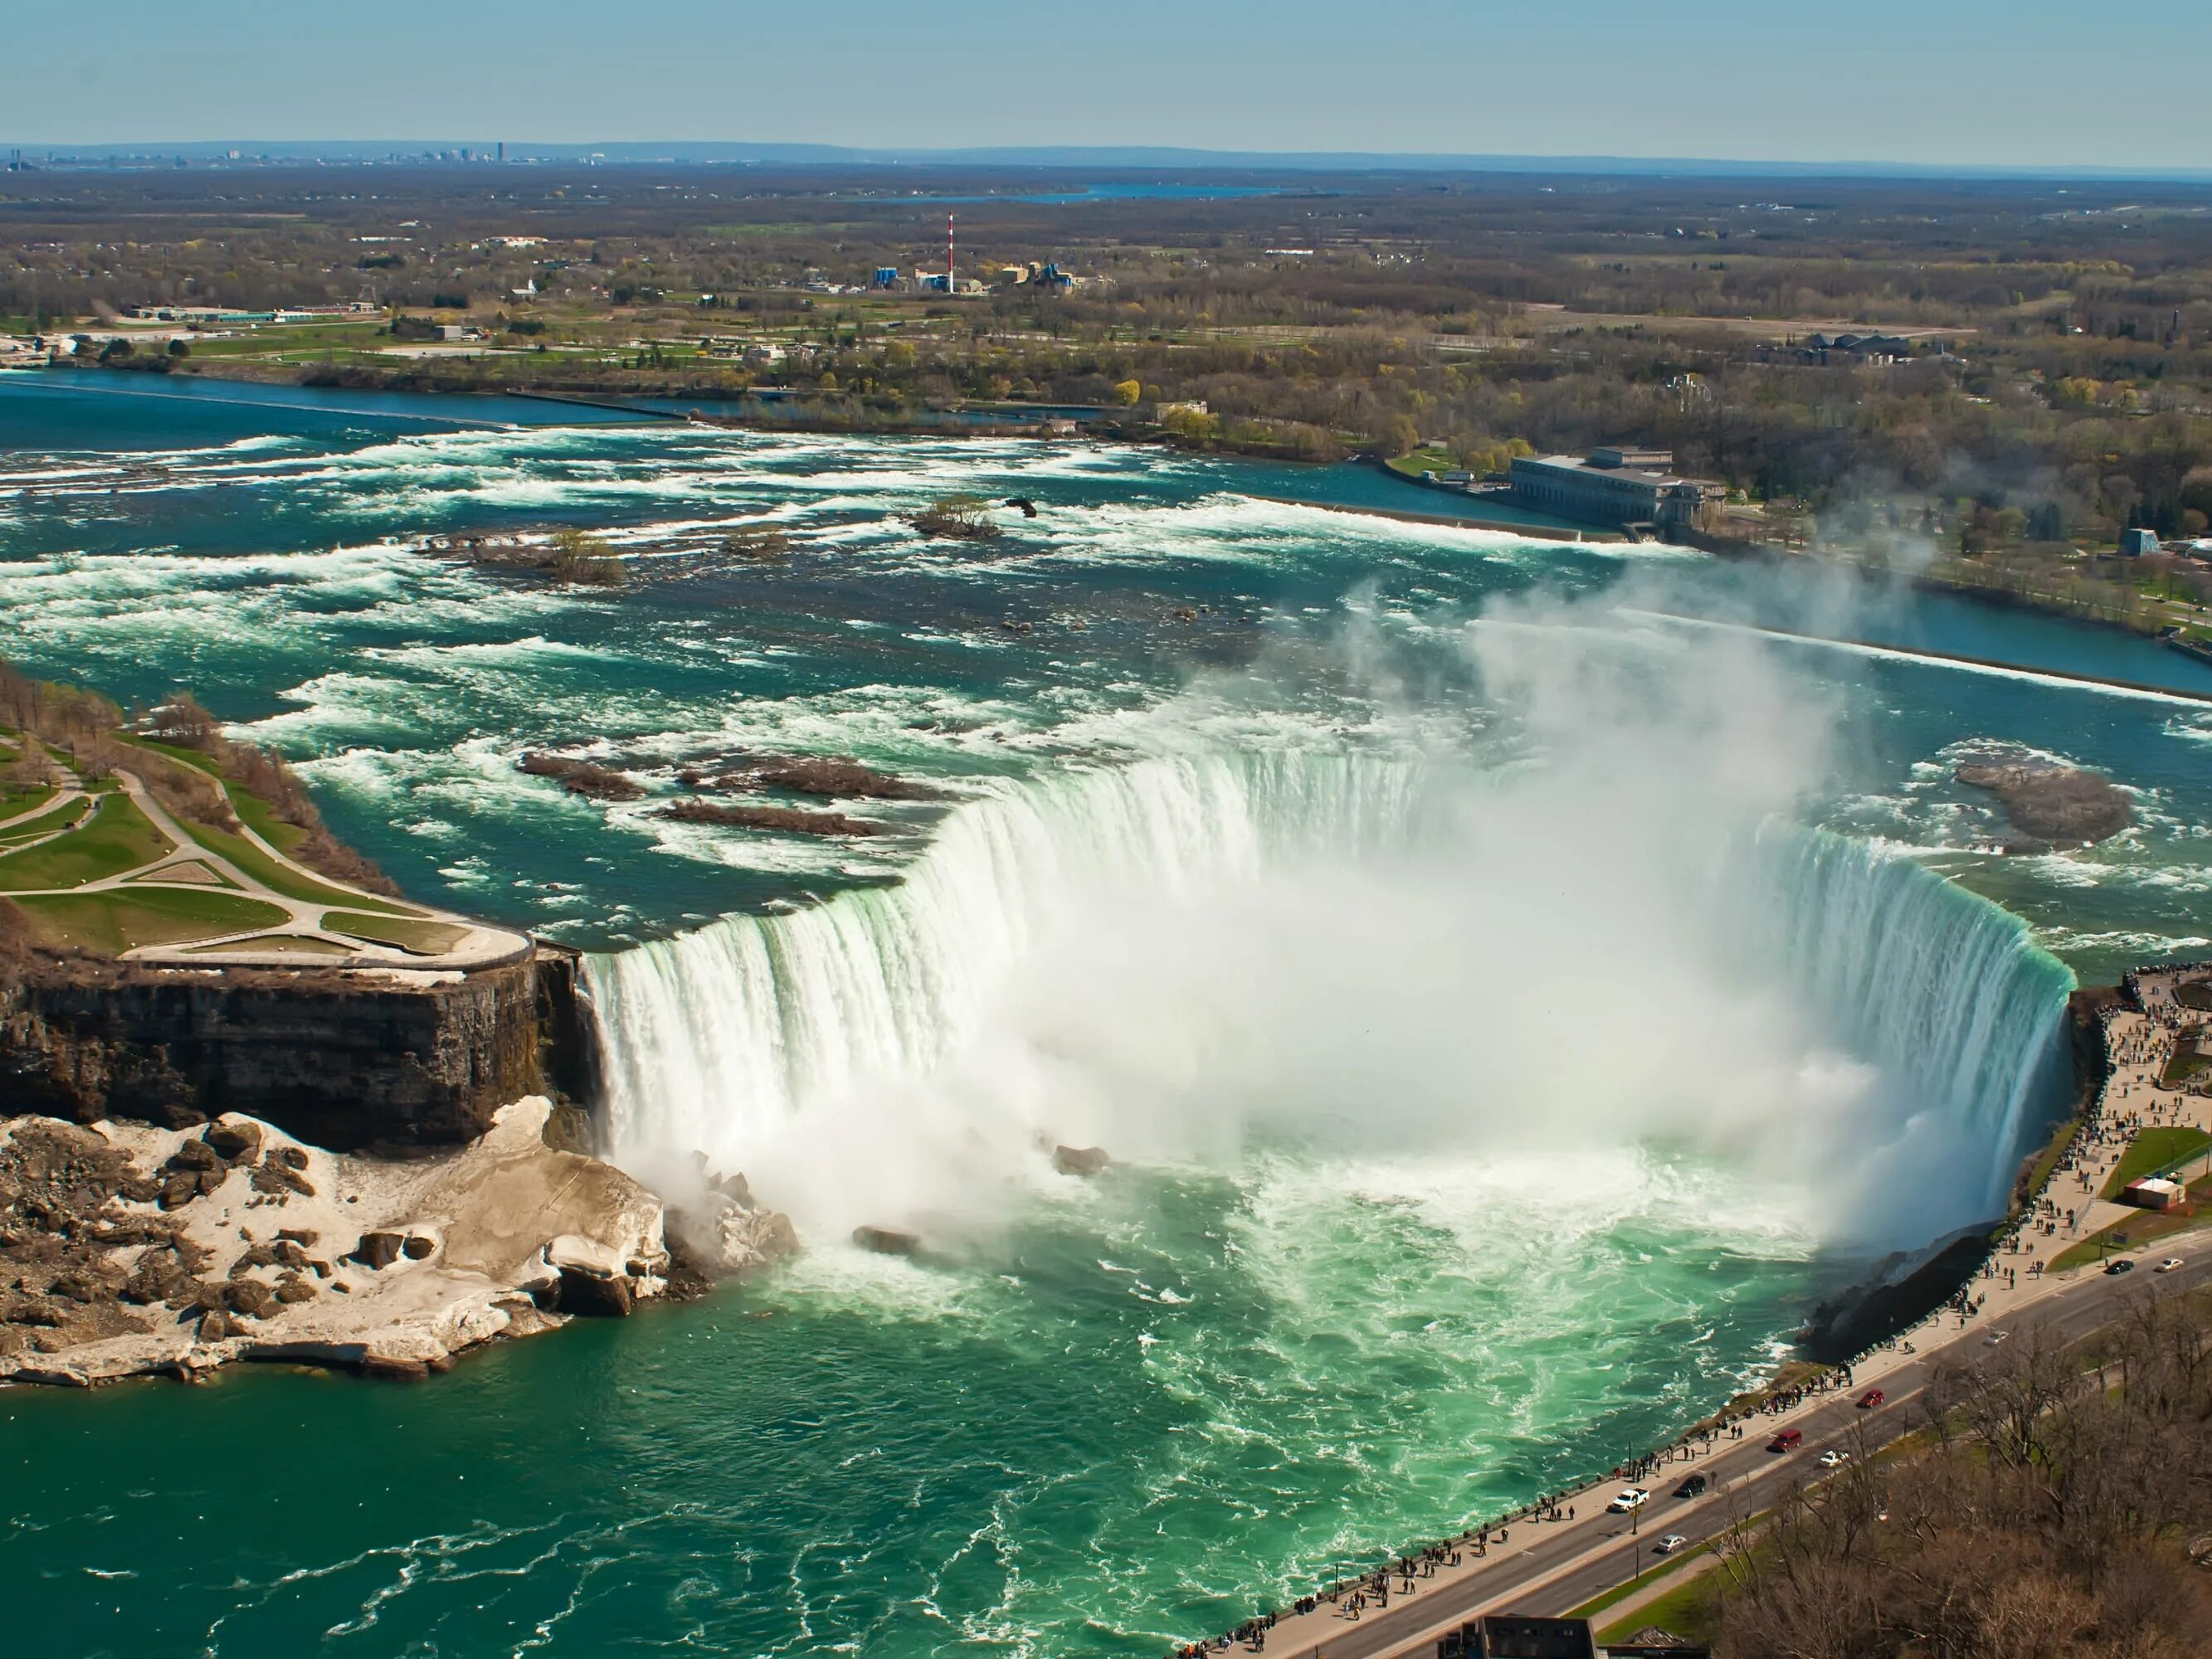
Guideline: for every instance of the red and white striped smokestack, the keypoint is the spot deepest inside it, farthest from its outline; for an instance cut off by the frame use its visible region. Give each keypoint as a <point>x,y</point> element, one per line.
<point>948,254</point>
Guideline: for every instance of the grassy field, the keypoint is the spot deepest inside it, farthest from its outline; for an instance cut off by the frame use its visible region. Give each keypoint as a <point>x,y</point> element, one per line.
<point>277,877</point>
<point>118,838</point>
<point>1668,1565</point>
<point>2190,1059</point>
<point>45,824</point>
<point>2140,1230</point>
<point>124,920</point>
<point>1417,462</point>
<point>1686,1611</point>
<point>427,939</point>
<point>2154,1150</point>
<point>18,798</point>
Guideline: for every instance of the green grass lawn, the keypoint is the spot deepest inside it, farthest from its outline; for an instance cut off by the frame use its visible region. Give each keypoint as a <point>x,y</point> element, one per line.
<point>19,798</point>
<point>1686,1611</point>
<point>2189,1060</point>
<point>46,823</point>
<point>116,838</point>
<point>277,877</point>
<point>2154,1150</point>
<point>2145,1229</point>
<point>1417,462</point>
<point>1666,1565</point>
<point>123,919</point>
<point>190,757</point>
<point>256,815</point>
<point>427,939</point>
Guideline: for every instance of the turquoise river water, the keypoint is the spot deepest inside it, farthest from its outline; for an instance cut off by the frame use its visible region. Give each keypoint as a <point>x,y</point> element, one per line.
<point>1513,987</point>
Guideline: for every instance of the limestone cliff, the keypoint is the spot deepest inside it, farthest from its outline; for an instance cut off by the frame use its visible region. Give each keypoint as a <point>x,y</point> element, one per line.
<point>345,1059</point>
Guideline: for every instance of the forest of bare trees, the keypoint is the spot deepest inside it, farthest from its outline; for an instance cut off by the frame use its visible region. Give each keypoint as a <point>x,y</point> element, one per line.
<point>2057,1504</point>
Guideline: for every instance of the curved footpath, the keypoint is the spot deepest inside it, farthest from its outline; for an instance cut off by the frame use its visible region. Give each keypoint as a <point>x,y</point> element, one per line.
<point>302,937</point>
<point>1551,1567</point>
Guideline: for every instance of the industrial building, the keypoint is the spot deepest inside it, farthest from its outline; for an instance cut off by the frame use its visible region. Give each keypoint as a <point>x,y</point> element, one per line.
<point>1634,489</point>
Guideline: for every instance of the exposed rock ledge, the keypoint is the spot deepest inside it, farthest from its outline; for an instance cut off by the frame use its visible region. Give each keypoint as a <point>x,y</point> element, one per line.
<point>2051,806</point>
<point>127,1249</point>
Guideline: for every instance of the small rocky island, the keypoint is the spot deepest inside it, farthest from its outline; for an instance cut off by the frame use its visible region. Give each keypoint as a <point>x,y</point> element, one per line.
<point>266,1107</point>
<point>2049,805</point>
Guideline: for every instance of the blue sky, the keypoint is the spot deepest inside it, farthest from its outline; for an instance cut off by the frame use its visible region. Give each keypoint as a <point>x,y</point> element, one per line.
<point>2030,83</point>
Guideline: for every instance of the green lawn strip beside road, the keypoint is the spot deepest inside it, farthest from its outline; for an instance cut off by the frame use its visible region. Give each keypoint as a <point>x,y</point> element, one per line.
<point>117,838</point>
<point>279,877</point>
<point>1666,1565</point>
<point>2148,1228</point>
<point>428,938</point>
<point>1686,1611</point>
<point>2154,1150</point>
<point>120,919</point>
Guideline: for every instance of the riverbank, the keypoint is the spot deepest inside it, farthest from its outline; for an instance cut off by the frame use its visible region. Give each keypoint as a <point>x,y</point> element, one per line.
<point>2021,1273</point>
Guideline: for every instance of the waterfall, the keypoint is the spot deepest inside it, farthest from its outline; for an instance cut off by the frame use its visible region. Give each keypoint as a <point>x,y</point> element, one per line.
<point>714,1036</point>
<point>1042,906</point>
<point>1940,990</point>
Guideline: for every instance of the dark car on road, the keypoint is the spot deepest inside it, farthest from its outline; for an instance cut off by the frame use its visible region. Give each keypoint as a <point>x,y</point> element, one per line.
<point>2120,1264</point>
<point>1694,1487</point>
<point>1786,1441</point>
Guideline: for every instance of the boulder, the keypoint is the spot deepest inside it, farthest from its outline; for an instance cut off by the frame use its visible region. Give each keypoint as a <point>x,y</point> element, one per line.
<point>379,1249</point>
<point>887,1241</point>
<point>419,1249</point>
<point>594,1277</point>
<point>179,1189</point>
<point>720,1236</point>
<point>292,1288</point>
<point>249,1296</point>
<point>236,1142</point>
<point>196,1155</point>
<point>1080,1160</point>
<point>277,1176</point>
<point>217,1326</point>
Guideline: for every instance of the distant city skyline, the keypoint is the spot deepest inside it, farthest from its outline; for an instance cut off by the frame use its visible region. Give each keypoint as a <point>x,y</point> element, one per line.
<point>1973,83</point>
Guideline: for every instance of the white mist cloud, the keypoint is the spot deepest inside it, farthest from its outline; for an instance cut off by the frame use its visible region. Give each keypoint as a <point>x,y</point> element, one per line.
<point>1538,944</point>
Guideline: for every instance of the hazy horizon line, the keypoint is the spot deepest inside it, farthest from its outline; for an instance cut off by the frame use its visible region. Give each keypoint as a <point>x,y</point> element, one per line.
<point>719,151</point>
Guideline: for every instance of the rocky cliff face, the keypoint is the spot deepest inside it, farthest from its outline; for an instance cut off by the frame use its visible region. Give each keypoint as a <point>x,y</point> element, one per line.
<point>341,1059</point>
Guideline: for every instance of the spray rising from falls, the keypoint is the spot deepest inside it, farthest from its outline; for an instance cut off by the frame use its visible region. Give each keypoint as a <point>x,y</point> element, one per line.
<point>1187,956</point>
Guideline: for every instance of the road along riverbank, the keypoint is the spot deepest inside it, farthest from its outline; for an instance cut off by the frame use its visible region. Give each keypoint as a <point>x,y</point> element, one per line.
<point>1567,1547</point>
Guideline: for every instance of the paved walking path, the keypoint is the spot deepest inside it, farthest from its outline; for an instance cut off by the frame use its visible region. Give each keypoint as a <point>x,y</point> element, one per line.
<point>187,866</point>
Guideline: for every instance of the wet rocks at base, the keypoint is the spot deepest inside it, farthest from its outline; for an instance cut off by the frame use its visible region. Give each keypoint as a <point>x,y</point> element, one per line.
<point>128,1249</point>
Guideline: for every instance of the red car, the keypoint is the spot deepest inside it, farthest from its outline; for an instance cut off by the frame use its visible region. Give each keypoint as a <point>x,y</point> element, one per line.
<point>1785,1441</point>
<point>1870,1398</point>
